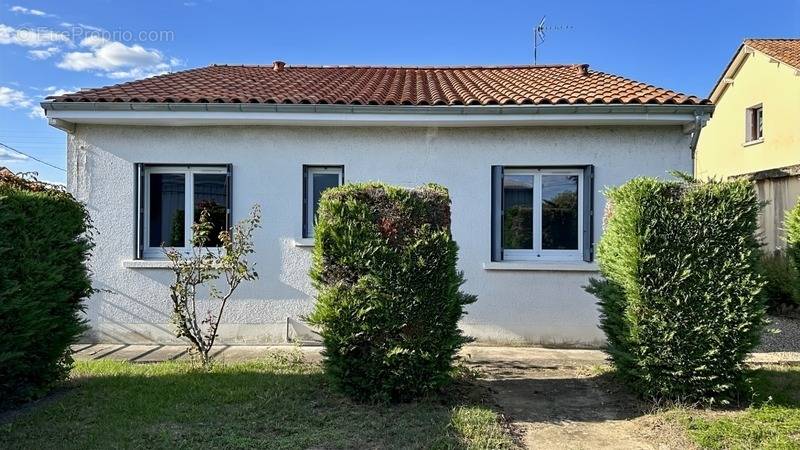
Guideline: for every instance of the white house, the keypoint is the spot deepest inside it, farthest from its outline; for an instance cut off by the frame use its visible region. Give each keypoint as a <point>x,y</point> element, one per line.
<point>525,152</point>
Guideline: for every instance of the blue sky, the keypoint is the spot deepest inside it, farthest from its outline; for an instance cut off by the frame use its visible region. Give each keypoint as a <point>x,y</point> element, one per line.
<point>56,46</point>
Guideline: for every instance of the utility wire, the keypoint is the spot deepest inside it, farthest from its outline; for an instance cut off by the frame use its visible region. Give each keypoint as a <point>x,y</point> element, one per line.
<point>31,157</point>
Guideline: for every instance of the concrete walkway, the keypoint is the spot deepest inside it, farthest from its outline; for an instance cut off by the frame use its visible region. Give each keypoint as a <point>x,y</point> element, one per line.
<point>514,357</point>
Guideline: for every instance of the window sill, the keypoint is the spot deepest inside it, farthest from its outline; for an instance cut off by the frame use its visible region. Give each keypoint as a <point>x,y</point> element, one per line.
<point>756,142</point>
<point>543,266</point>
<point>303,242</point>
<point>146,264</point>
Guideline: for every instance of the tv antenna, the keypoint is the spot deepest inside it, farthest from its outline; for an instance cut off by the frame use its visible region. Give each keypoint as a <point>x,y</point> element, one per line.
<point>538,36</point>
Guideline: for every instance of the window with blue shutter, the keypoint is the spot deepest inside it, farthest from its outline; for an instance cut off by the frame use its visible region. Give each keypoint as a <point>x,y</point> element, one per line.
<point>171,197</point>
<point>542,213</point>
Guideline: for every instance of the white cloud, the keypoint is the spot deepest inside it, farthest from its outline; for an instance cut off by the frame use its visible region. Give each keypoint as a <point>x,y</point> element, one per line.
<point>116,60</point>
<point>12,98</point>
<point>32,37</point>
<point>43,54</point>
<point>140,72</point>
<point>52,90</point>
<point>32,12</point>
<point>83,26</point>
<point>90,27</point>
<point>15,99</point>
<point>36,112</point>
<point>7,156</point>
<point>94,41</point>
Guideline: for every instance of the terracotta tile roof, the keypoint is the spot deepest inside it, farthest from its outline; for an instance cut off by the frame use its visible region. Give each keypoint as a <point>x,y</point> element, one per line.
<point>552,84</point>
<point>785,50</point>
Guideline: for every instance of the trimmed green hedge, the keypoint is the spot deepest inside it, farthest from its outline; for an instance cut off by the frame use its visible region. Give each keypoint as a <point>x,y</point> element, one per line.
<point>44,280</point>
<point>679,302</point>
<point>388,298</point>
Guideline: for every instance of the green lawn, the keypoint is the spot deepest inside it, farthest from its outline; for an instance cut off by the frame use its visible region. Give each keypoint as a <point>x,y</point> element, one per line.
<point>275,403</point>
<point>771,422</point>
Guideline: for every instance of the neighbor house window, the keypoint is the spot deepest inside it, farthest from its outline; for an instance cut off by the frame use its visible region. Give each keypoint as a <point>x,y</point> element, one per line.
<point>172,197</point>
<point>755,123</point>
<point>541,213</point>
<point>316,179</point>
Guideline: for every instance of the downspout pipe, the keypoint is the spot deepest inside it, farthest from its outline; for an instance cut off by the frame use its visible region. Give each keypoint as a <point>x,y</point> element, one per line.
<point>700,121</point>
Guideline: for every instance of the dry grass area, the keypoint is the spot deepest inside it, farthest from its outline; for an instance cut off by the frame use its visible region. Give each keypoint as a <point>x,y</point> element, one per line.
<point>586,407</point>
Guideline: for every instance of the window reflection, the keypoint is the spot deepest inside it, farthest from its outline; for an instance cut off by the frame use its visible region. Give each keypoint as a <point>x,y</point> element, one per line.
<point>210,194</point>
<point>518,212</point>
<point>167,205</point>
<point>559,212</point>
<point>322,182</point>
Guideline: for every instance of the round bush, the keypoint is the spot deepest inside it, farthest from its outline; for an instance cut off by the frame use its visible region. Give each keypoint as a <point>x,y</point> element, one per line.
<point>679,298</point>
<point>388,300</point>
<point>43,282</point>
<point>781,282</point>
<point>792,229</point>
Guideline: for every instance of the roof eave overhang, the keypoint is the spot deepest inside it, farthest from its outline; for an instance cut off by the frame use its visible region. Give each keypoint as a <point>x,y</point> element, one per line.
<point>730,72</point>
<point>208,114</point>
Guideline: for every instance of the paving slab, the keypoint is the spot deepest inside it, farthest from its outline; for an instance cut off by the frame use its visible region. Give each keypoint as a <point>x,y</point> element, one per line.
<point>522,357</point>
<point>161,353</point>
<point>512,357</point>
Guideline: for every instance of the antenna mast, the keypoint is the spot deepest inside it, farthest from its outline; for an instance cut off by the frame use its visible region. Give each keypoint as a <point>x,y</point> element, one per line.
<point>538,33</point>
<point>538,36</point>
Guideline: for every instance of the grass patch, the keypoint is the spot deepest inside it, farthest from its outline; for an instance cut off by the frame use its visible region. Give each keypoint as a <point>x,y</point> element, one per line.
<point>772,421</point>
<point>273,403</point>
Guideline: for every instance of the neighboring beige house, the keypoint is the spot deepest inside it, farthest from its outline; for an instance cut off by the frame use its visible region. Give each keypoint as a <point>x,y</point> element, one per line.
<point>531,146</point>
<point>755,129</point>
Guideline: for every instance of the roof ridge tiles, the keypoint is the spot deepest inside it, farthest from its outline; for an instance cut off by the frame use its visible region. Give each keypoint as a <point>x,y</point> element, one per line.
<point>773,39</point>
<point>404,67</point>
<point>385,85</point>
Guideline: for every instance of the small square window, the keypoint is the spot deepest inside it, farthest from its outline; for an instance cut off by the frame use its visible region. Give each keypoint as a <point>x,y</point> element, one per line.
<point>755,123</point>
<point>542,213</point>
<point>316,180</point>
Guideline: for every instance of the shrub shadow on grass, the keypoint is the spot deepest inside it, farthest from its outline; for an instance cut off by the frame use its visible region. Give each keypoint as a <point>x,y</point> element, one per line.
<point>257,404</point>
<point>776,385</point>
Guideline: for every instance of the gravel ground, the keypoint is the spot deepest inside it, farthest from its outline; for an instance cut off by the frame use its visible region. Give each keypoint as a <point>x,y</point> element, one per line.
<point>787,340</point>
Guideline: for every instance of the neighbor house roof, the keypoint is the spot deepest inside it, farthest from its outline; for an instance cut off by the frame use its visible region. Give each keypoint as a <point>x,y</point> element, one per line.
<point>285,84</point>
<point>784,50</point>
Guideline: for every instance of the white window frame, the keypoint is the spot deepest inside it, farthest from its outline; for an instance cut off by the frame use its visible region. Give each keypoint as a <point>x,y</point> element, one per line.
<point>309,203</point>
<point>188,172</point>
<point>754,123</point>
<point>537,253</point>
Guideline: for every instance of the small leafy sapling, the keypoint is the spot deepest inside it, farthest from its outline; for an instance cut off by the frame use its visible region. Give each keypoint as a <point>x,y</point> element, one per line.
<point>217,272</point>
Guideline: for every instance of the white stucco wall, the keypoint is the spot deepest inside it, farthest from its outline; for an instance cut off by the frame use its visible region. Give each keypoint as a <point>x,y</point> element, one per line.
<point>520,306</point>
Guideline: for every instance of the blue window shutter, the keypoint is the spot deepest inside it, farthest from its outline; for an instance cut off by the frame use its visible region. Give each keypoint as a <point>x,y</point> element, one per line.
<point>588,213</point>
<point>497,213</point>
<point>305,201</point>
<point>229,196</point>
<point>139,205</point>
